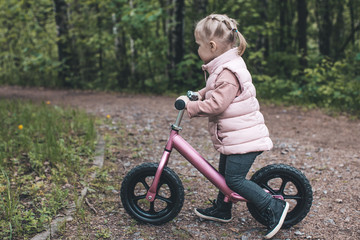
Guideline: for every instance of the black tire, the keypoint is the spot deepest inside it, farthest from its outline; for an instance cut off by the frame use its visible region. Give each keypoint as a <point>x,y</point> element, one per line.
<point>168,201</point>
<point>281,179</point>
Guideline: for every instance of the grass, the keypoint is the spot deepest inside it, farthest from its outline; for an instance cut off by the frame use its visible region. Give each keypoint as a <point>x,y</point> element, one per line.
<point>45,153</point>
<point>104,193</point>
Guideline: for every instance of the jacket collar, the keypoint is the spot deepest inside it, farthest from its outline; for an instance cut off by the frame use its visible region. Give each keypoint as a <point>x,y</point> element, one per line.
<point>220,60</point>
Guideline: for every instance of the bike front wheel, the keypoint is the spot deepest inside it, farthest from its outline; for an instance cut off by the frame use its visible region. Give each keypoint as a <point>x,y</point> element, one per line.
<point>168,201</point>
<point>291,184</point>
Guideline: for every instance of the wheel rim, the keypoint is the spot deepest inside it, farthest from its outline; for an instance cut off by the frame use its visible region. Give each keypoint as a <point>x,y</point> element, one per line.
<point>290,188</point>
<point>164,201</point>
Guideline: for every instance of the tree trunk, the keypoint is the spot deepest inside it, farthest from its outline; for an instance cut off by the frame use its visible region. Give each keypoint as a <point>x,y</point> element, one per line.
<point>301,31</point>
<point>290,38</point>
<point>200,8</point>
<point>165,22</point>
<point>178,33</point>
<point>175,30</point>
<point>63,42</point>
<point>338,34</point>
<point>347,41</point>
<point>169,22</point>
<point>282,7</point>
<point>100,50</point>
<point>285,31</point>
<point>132,48</point>
<point>263,40</point>
<point>352,19</point>
<point>120,54</point>
<point>323,13</point>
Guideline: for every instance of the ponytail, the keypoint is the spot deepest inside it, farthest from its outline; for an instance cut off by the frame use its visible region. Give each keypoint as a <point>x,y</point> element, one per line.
<point>242,43</point>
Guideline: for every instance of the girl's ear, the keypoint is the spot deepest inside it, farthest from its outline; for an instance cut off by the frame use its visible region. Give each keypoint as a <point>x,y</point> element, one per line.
<point>213,46</point>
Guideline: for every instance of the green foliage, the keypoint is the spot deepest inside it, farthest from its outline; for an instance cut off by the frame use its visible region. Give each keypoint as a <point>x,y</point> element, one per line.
<point>129,46</point>
<point>42,148</point>
<point>185,73</point>
<point>331,85</point>
<point>286,64</point>
<point>334,85</point>
<point>27,52</point>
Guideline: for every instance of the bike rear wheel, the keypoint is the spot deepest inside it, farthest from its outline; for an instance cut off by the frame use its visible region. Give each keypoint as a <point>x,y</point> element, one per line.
<point>168,201</point>
<point>287,181</point>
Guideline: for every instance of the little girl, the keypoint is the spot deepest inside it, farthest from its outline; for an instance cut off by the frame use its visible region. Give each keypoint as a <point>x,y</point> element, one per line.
<point>236,126</point>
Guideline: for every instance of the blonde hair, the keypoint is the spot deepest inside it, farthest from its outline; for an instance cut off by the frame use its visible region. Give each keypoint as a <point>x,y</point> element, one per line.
<point>223,28</point>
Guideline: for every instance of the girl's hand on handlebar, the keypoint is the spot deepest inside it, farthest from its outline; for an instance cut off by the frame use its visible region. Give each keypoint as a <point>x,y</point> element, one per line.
<point>184,98</point>
<point>194,96</point>
<point>199,96</point>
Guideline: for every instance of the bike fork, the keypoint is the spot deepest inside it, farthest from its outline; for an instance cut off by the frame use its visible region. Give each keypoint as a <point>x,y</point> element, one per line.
<point>150,196</point>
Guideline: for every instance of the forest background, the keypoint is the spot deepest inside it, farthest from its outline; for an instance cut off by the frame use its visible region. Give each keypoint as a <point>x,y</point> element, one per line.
<point>299,51</point>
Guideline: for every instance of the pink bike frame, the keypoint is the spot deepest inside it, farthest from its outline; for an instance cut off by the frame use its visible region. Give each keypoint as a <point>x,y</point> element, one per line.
<point>189,153</point>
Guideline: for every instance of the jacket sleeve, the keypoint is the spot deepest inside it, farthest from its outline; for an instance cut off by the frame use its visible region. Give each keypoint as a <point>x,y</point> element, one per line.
<point>202,93</point>
<point>227,88</point>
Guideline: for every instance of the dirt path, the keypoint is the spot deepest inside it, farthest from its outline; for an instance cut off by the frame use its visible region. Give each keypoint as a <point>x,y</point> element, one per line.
<point>325,148</point>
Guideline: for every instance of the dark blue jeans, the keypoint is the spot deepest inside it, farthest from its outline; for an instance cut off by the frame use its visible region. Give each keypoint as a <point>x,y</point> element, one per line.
<point>235,168</point>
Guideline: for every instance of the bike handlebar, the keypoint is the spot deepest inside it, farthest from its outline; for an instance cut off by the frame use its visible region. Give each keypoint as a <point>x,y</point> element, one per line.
<point>179,104</point>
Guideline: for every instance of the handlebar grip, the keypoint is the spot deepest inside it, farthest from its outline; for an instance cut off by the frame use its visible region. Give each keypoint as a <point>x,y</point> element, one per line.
<point>179,104</point>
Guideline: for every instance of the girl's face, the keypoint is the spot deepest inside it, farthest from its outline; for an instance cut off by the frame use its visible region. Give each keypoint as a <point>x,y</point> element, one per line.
<point>204,50</point>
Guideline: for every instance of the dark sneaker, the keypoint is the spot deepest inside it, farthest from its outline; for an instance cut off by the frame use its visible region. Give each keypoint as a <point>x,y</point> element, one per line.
<point>275,215</point>
<point>213,213</point>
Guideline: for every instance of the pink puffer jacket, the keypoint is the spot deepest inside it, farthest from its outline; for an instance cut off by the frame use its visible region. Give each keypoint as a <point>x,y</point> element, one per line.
<point>240,128</point>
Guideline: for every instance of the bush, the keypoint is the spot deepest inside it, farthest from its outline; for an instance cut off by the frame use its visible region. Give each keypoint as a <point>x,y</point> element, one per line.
<point>331,85</point>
